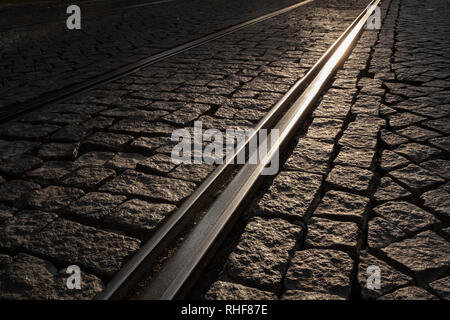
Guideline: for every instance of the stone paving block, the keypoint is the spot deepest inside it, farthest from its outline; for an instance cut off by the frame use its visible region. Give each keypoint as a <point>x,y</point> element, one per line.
<point>51,172</point>
<point>418,134</point>
<point>11,149</point>
<point>343,206</point>
<point>120,112</point>
<point>18,230</point>
<point>192,172</point>
<point>389,190</point>
<point>439,124</point>
<point>404,119</point>
<point>417,152</point>
<point>381,233</point>
<point>93,159</point>
<point>409,293</point>
<point>441,287</point>
<point>326,233</point>
<point>88,177</point>
<point>18,164</point>
<point>320,271</point>
<point>415,177</point>
<point>307,295</point>
<point>221,290</point>
<point>186,114</point>
<point>391,160</point>
<point>96,251</point>
<point>386,111</point>
<point>331,110</point>
<point>325,129</point>
<point>68,118</point>
<point>437,200</point>
<point>355,140</point>
<point>122,161</point>
<point>87,108</point>
<point>392,139</point>
<point>93,206</point>
<point>290,195</point>
<point>441,142</point>
<point>155,187</point>
<point>427,255</point>
<point>50,151</point>
<point>439,167</point>
<point>262,254</point>
<point>158,163</point>
<point>51,198</point>
<point>138,216</point>
<point>366,105</point>
<point>146,144</point>
<point>433,112</point>
<point>26,277</point>
<point>356,157</point>
<point>350,179</point>
<point>310,155</point>
<point>70,133</point>
<point>6,213</point>
<point>99,123</point>
<point>406,216</point>
<point>138,126</point>
<point>21,130</point>
<point>13,190</point>
<point>390,278</point>
<point>209,122</point>
<point>106,141</point>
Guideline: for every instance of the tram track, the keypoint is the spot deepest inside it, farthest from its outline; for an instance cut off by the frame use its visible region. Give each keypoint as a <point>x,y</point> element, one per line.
<point>183,267</point>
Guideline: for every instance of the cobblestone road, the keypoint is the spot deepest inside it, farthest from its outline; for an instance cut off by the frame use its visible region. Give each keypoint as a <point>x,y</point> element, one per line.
<point>42,56</point>
<point>367,185</point>
<point>87,181</point>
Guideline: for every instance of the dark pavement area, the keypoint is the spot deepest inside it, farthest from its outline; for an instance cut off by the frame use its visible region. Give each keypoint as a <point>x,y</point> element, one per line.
<point>40,55</point>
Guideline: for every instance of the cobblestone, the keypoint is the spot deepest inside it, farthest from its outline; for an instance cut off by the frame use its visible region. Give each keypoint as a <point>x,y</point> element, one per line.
<point>261,257</point>
<point>93,206</point>
<point>441,287</point>
<point>221,290</point>
<point>409,293</point>
<point>291,194</point>
<point>350,179</point>
<point>51,198</point>
<point>427,255</point>
<point>139,184</point>
<point>138,217</point>
<point>390,278</point>
<point>325,233</point>
<point>321,271</point>
<point>343,206</point>
<point>27,277</point>
<point>406,216</point>
<point>65,242</point>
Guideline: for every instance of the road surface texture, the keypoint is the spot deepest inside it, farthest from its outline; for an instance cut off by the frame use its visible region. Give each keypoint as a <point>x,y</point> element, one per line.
<point>39,54</point>
<point>87,181</point>
<point>367,185</point>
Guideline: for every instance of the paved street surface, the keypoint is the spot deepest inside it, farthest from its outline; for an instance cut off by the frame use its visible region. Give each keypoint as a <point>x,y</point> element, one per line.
<point>87,181</point>
<point>39,54</point>
<point>368,183</point>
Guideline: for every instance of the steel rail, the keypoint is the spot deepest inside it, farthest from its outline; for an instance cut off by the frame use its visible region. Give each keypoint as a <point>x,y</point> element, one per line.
<point>178,272</point>
<point>68,92</point>
<point>177,222</point>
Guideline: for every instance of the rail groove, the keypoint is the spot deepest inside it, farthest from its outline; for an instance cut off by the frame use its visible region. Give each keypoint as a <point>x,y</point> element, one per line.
<point>182,268</point>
